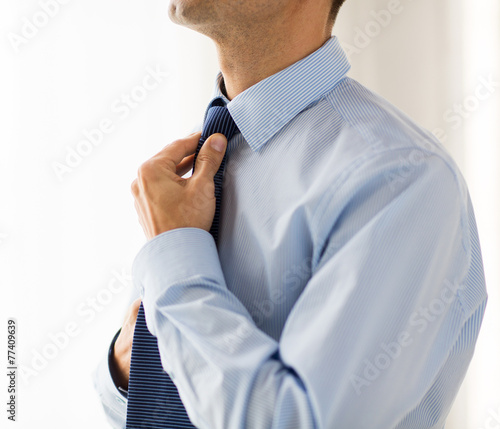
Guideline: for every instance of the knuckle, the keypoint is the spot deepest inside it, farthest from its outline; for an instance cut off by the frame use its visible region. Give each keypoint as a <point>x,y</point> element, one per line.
<point>203,187</point>
<point>208,189</point>
<point>205,158</point>
<point>134,187</point>
<point>146,169</point>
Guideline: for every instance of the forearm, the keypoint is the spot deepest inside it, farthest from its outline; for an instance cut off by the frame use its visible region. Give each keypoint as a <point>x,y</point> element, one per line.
<point>232,375</point>
<point>228,372</point>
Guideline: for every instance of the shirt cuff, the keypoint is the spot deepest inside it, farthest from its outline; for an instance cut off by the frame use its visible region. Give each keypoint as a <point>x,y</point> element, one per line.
<point>113,400</point>
<point>174,257</point>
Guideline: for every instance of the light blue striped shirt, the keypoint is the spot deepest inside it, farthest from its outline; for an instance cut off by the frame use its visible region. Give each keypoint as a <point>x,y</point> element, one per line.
<point>347,289</point>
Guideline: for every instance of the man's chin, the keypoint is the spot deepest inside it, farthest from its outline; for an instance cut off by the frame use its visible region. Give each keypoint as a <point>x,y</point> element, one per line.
<point>191,13</point>
<point>174,11</point>
<point>180,11</point>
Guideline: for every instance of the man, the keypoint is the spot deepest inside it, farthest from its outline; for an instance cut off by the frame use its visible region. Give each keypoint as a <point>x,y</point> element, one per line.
<point>345,288</point>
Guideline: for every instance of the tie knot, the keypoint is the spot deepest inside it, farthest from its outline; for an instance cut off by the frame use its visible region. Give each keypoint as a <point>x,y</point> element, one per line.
<point>219,120</point>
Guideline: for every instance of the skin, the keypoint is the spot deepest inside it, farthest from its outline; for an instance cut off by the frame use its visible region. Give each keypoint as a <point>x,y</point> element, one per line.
<point>254,40</point>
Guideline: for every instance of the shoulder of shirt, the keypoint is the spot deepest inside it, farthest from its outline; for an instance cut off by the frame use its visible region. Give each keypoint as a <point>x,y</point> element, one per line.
<point>383,129</point>
<point>385,138</point>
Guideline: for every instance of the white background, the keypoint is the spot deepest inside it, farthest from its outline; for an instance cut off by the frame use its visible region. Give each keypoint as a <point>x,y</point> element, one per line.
<point>63,239</point>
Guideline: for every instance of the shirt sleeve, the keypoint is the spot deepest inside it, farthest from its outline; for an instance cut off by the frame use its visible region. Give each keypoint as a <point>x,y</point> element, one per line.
<point>381,336</point>
<point>114,400</point>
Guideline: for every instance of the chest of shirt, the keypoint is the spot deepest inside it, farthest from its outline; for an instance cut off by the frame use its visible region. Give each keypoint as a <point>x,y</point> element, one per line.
<point>266,236</point>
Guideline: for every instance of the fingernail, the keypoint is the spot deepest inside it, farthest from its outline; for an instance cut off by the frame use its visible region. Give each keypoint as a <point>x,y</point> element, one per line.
<point>218,143</point>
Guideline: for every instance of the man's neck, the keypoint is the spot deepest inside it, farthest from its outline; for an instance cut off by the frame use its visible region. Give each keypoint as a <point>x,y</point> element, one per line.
<point>245,62</point>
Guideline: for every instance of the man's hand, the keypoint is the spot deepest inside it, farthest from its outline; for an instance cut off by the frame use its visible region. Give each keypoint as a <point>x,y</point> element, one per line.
<point>164,200</point>
<point>123,346</point>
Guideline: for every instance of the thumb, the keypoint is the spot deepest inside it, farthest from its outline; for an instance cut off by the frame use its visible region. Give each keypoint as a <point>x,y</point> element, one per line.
<point>210,156</point>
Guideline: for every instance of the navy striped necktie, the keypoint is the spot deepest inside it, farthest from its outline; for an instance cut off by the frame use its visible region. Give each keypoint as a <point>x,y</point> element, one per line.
<point>153,399</point>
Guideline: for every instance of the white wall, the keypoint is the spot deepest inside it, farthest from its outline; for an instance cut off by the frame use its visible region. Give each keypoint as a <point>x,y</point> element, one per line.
<point>62,241</point>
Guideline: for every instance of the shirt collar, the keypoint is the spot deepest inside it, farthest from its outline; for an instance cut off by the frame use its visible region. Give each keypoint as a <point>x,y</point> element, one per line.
<point>266,107</point>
